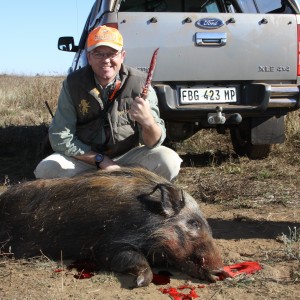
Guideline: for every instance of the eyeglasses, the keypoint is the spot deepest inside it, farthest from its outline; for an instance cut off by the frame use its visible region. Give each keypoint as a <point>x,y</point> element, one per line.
<point>103,55</point>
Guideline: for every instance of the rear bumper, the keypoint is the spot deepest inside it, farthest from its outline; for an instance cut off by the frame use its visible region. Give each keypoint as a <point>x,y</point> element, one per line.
<point>256,99</point>
<point>284,96</point>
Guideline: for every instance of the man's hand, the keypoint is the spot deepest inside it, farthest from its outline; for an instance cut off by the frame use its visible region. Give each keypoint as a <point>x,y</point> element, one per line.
<point>106,164</point>
<point>140,111</point>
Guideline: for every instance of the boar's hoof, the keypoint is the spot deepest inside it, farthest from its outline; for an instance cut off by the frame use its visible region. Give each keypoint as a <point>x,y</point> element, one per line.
<point>144,278</point>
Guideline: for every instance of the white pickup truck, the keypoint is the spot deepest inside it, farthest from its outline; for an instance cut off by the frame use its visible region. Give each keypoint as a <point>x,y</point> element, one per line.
<point>225,64</point>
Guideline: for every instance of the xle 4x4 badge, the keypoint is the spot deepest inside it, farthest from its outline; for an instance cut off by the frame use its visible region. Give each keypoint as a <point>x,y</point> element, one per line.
<point>209,23</point>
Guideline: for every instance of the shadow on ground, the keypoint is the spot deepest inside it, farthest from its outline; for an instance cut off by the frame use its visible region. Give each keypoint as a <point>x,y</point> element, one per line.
<point>232,229</point>
<point>208,158</point>
<point>22,147</point>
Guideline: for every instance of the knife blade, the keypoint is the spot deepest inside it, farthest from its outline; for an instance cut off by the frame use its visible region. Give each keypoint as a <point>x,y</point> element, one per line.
<point>150,74</point>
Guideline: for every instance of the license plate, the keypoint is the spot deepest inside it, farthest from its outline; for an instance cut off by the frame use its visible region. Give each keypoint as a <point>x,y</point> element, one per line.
<point>207,95</point>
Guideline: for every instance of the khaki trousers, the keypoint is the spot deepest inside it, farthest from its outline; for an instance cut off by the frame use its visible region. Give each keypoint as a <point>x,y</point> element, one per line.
<point>160,160</point>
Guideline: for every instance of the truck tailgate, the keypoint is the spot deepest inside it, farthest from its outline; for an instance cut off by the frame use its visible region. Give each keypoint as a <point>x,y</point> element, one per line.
<point>255,46</point>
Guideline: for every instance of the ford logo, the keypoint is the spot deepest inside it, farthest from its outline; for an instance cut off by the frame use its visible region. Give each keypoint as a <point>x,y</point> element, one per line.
<point>209,23</point>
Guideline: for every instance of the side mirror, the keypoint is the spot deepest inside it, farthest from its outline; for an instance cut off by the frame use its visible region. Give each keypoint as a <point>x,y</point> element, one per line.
<point>66,43</point>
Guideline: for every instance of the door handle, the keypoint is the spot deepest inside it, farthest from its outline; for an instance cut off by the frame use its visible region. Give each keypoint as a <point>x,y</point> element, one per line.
<point>211,38</point>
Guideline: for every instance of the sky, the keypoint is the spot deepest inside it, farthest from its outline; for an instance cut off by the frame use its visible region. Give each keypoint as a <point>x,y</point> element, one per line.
<point>29,31</point>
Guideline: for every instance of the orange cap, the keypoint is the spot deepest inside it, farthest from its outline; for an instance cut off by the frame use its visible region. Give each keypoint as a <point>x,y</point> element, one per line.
<point>104,36</point>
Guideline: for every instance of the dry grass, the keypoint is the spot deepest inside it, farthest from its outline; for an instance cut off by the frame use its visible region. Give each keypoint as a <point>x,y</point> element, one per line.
<point>22,99</point>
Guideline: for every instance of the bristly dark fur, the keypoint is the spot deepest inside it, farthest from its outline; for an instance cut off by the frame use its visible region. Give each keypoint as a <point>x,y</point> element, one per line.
<point>123,220</point>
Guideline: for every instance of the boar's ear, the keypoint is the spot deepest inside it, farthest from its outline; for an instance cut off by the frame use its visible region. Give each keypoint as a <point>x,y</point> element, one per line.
<point>164,199</point>
<point>172,199</point>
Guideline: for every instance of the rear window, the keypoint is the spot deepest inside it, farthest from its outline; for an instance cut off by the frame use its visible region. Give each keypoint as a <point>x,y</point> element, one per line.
<point>207,6</point>
<point>171,5</point>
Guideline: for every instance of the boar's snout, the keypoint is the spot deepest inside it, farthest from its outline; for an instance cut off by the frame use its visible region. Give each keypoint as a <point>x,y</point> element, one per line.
<point>205,262</point>
<point>209,261</point>
<point>213,272</point>
<point>212,275</point>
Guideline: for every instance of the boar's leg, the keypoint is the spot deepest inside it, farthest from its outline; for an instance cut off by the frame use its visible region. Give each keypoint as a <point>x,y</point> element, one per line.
<point>134,263</point>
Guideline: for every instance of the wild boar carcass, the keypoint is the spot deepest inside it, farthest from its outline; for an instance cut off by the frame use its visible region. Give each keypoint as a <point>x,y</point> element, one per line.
<point>125,220</point>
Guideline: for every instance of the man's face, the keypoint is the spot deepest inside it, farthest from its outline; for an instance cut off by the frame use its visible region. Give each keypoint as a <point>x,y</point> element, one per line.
<point>106,63</point>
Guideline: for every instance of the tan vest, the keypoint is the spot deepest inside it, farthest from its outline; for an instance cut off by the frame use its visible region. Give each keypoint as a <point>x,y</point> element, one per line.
<point>89,107</point>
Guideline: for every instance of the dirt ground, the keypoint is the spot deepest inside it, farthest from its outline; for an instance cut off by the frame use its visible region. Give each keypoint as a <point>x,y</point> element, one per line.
<point>254,212</point>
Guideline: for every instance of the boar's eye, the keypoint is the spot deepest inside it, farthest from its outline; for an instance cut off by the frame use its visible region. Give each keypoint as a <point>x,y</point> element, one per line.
<point>194,224</point>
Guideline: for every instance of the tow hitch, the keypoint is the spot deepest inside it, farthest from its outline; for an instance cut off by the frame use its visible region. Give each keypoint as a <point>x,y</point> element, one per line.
<point>218,118</point>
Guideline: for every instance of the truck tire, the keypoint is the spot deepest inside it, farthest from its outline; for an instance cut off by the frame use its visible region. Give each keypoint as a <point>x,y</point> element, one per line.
<point>241,142</point>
